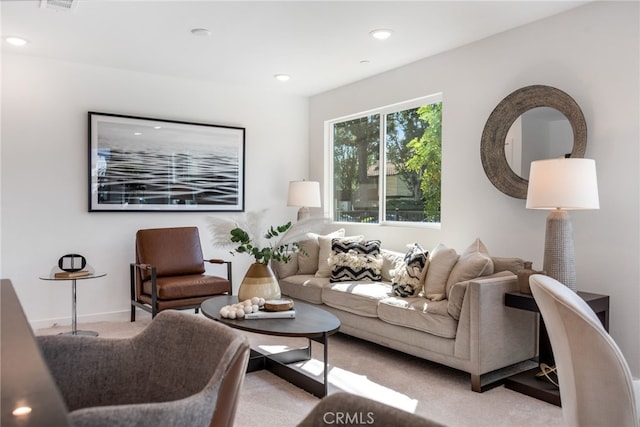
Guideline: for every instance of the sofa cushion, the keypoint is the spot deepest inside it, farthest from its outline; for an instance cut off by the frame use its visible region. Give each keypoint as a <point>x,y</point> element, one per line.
<point>355,260</point>
<point>474,262</point>
<point>420,314</point>
<point>305,287</point>
<point>356,297</point>
<point>441,261</point>
<point>409,279</point>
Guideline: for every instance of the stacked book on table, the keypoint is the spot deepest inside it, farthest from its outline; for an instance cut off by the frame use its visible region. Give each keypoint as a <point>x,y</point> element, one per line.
<point>71,274</point>
<point>284,314</point>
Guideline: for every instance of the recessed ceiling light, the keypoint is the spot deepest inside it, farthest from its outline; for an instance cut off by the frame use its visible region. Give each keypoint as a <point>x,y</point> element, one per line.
<point>365,61</point>
<point>16,41</point>
<point>381,33</point>
<point>282,77</point>
<point>202,32</point>
<point>21,410</point>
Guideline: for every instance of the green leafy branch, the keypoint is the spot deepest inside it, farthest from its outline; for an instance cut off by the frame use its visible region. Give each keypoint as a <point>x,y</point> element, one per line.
<point>281,252</point>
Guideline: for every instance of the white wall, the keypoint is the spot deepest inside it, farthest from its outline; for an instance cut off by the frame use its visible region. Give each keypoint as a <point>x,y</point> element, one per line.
<point>44,173</point>
<point>592,53</point>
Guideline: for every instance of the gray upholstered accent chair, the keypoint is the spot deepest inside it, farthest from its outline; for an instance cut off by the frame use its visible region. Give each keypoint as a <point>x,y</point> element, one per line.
<point>596,386</point>
<point>346,409</point>
<point>181,370</point>
<point>169,272</point>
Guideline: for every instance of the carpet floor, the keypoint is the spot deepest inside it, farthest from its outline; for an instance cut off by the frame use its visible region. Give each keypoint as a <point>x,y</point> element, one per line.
<point>356,366</point>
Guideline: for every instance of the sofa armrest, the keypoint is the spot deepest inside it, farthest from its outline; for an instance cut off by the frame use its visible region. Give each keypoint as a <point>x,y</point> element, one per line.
<point>458,291</point>
<point>491,335</point>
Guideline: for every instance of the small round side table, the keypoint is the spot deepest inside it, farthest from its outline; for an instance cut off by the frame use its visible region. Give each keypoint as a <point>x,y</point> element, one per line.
<point>74,322</point>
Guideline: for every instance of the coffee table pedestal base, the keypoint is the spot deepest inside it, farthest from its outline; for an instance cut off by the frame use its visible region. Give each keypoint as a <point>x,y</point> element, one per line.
<point>280,365</point>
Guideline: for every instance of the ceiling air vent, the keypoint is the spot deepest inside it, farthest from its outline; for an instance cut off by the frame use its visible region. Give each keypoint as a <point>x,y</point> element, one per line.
<point>59,4</point>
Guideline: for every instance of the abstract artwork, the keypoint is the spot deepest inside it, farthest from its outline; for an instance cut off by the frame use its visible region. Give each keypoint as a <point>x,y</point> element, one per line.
<point>140,164</point>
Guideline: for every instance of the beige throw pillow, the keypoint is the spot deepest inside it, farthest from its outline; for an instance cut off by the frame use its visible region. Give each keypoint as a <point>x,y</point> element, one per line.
<point>474,262</point>
<point>308,260</point>
<point>441,261</point>
<point>285,269</point>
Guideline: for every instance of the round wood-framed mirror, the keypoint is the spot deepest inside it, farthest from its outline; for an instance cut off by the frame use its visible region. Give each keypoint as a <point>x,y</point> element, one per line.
<point>492,145</point>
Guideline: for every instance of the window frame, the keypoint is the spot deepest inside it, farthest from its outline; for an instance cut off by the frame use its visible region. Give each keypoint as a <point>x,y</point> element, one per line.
<point>382,177</point>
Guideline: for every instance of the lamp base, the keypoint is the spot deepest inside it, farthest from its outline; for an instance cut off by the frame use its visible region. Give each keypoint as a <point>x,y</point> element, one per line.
<point>559,253</point>
<point>303,213</point>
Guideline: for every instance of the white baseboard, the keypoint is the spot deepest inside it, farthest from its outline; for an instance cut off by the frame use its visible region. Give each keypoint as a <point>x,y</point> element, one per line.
<point>114,316</point>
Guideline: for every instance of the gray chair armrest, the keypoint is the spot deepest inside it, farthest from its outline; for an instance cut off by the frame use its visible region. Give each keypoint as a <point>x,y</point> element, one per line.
<point>175,367</point>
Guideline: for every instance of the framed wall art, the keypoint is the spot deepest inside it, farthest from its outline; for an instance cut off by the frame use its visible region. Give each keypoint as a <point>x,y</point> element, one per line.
<point>139,164</point>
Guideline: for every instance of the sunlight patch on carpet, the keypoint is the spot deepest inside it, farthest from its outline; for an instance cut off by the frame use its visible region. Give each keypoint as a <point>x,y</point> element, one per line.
<point>348,381</point>
<point>362,386</point>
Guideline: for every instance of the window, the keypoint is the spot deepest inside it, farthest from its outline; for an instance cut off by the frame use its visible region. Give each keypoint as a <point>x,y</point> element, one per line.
<point>386,164</point>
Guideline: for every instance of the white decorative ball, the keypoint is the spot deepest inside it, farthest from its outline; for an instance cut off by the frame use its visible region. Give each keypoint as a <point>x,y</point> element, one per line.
<point>255,308</point>
<point>240,313</point>
<point>224,311</point>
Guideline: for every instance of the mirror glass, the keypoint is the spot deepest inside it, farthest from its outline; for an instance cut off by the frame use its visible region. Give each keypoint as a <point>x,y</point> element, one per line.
<point>540,133</point>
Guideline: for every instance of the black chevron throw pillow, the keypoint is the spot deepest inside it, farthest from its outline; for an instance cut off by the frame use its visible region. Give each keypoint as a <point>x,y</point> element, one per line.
<point>355,260</point>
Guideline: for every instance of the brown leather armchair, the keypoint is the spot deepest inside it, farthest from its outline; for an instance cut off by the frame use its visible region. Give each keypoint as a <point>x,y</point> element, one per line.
<point>169,271</point>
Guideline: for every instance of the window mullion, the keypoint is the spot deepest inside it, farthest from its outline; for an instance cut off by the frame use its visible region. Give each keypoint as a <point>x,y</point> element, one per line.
<point>382,176</point>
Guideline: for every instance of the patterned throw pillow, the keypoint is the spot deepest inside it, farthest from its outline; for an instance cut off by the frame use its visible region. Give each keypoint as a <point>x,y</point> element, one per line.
<point>408,280</point>
<point>355,260</point>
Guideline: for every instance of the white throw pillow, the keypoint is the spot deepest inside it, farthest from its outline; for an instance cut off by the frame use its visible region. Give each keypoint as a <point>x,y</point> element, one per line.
<point>324,251</point>
<point>392,263</point>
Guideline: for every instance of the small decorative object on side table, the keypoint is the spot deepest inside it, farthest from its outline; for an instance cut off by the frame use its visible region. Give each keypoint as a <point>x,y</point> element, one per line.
<point>526,382</point>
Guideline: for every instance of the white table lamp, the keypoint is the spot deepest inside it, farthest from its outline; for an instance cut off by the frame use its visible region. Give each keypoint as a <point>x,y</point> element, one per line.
<point>304,194</point>
<point>560,185</point>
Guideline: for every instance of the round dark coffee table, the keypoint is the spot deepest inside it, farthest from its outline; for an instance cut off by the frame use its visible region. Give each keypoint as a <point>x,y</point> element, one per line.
<point>310,322</point>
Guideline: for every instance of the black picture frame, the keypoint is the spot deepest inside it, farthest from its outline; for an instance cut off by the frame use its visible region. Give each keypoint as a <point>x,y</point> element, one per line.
<point>139,164</point>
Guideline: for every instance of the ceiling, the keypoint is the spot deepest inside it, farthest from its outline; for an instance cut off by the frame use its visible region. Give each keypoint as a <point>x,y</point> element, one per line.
<point>320,44</point>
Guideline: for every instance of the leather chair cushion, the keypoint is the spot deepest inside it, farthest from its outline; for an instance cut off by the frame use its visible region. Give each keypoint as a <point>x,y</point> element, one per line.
<point>174,251</point>
<point>187,286</point>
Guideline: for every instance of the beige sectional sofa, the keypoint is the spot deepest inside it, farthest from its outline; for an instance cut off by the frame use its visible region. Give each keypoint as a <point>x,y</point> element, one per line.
<point>464,324</point>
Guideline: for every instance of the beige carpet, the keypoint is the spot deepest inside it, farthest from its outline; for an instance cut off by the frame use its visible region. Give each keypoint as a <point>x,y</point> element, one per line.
<point>425,388</point>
